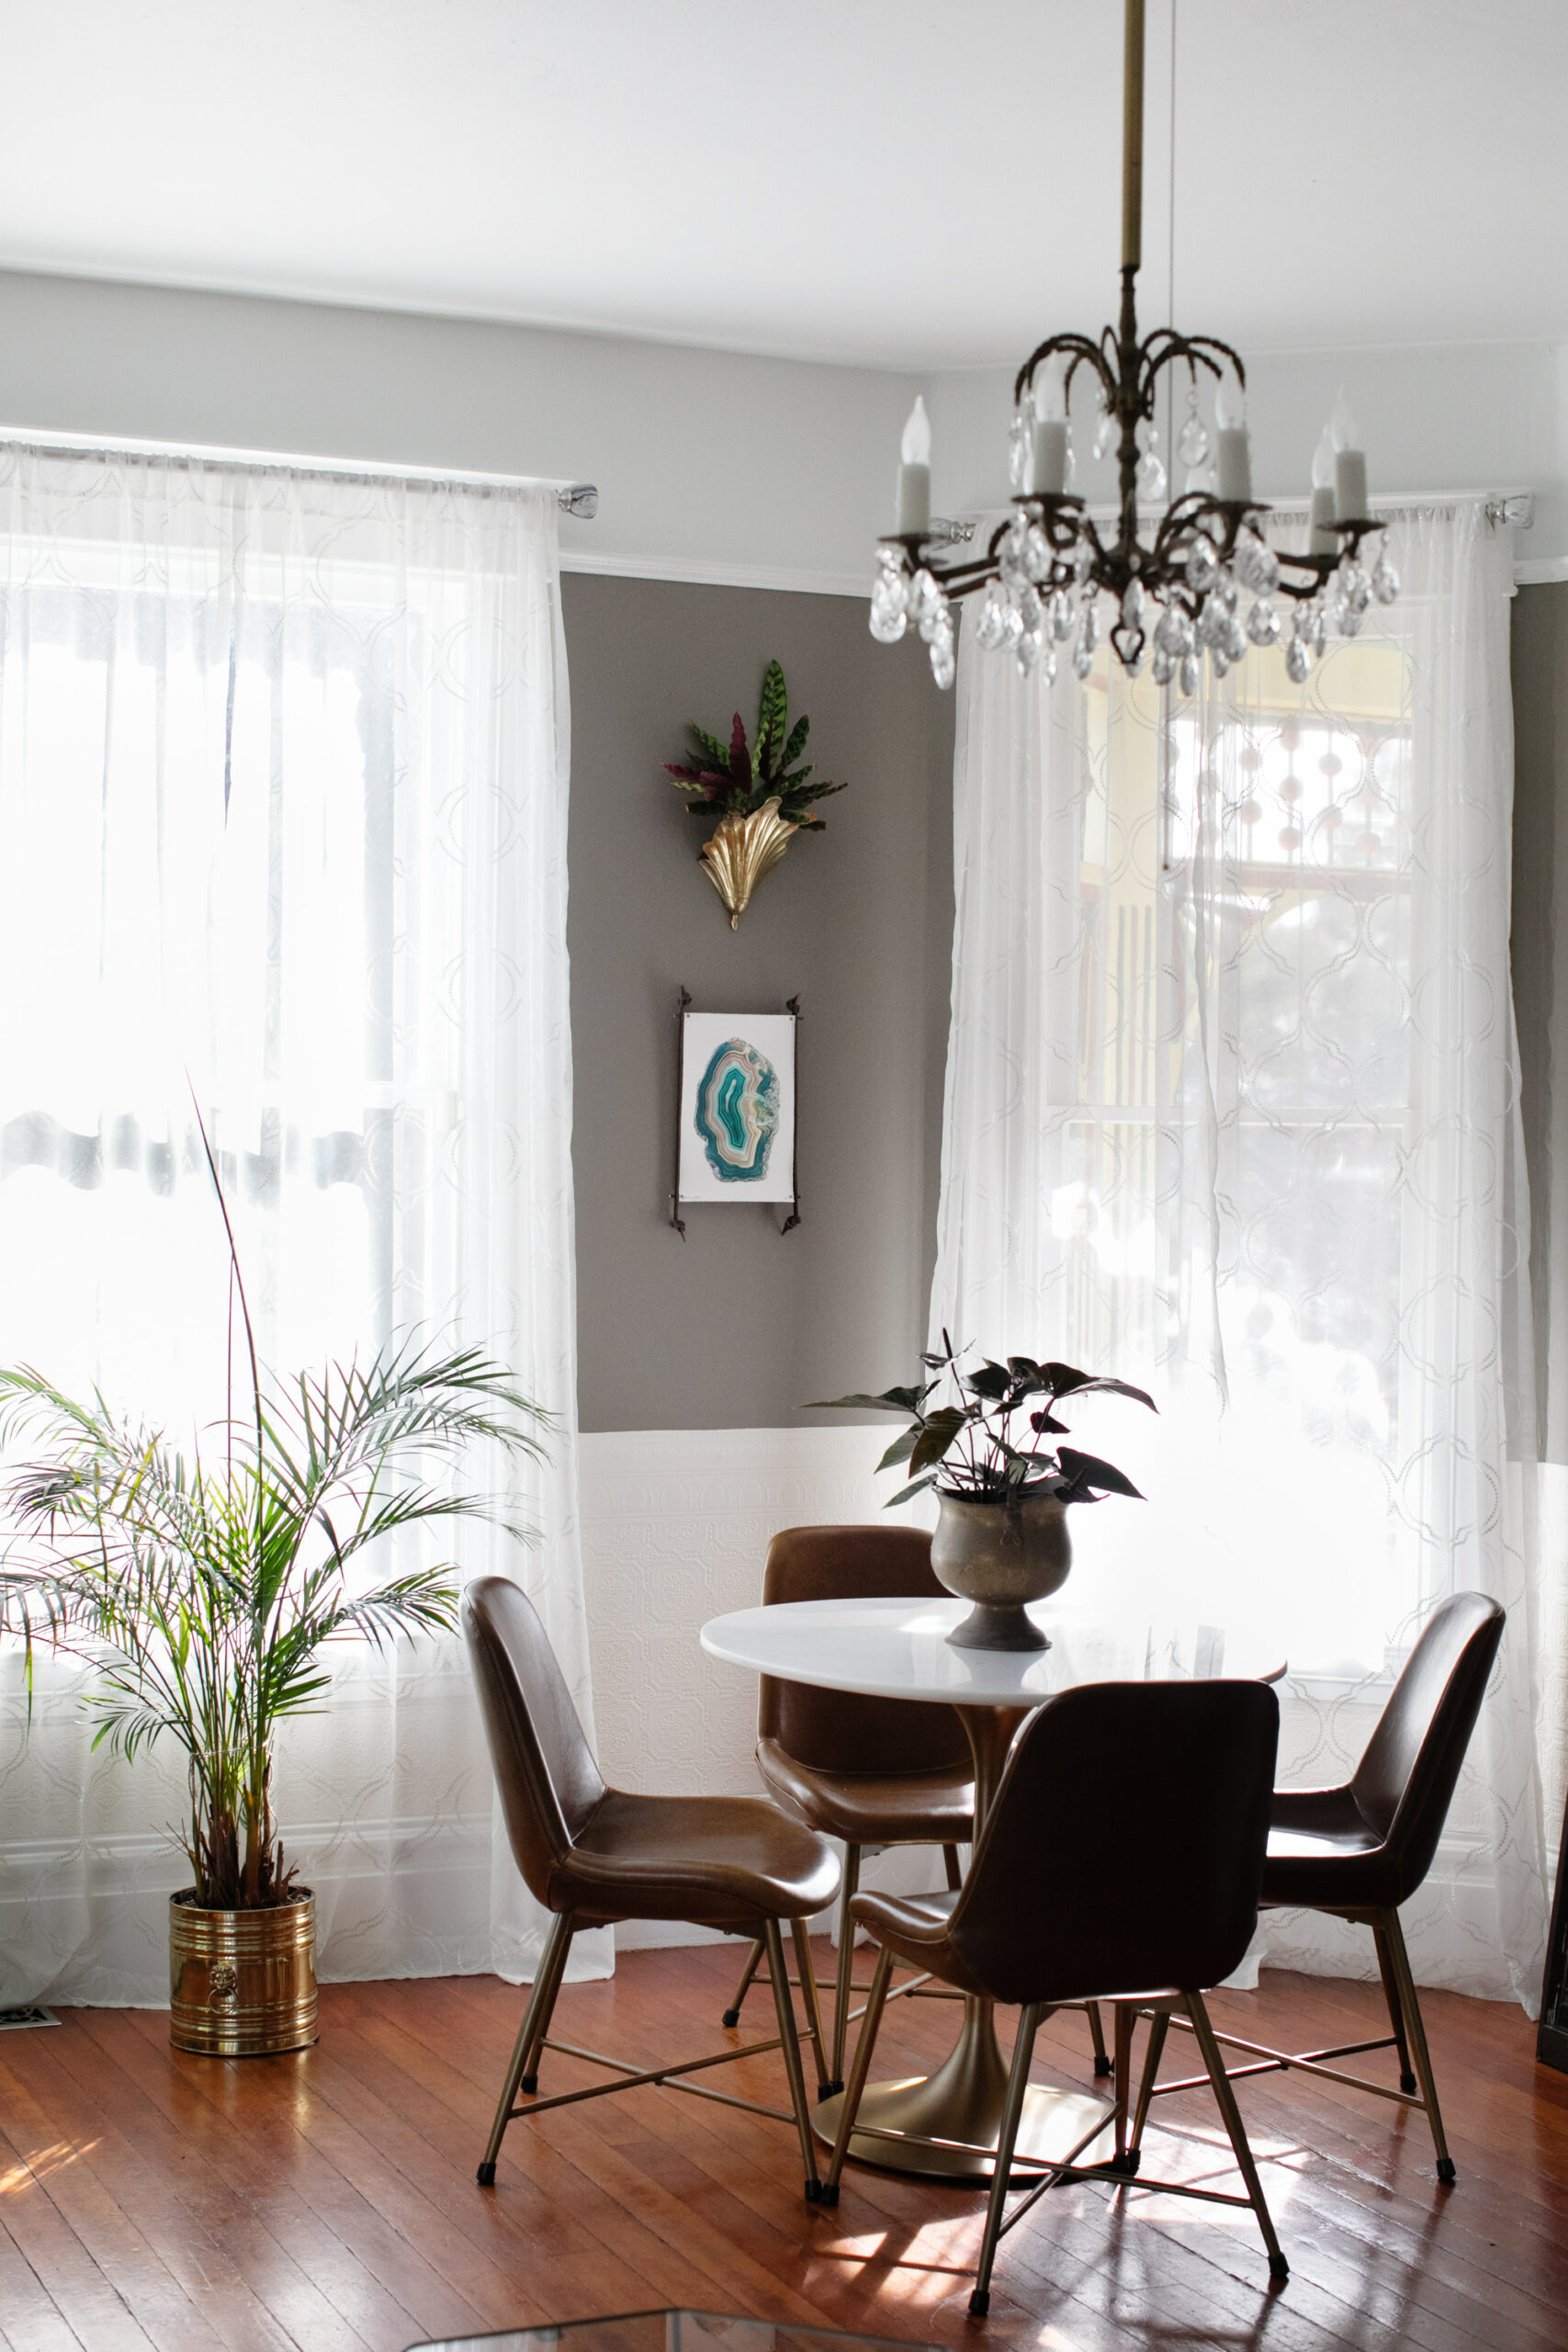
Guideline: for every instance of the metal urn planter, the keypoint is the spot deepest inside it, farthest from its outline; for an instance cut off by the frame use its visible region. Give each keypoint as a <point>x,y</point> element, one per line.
<point>241,1984</point>
<point>1001,1556</point>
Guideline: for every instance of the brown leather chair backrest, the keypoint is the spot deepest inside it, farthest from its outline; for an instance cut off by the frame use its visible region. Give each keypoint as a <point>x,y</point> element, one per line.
<point>1404,1783</point>
<point>1125,1848</point>
<point>837,1731</point>
<point>548,1783</point>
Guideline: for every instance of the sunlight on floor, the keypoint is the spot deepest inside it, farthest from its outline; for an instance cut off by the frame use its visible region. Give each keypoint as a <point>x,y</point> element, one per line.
<point>47,2161</point>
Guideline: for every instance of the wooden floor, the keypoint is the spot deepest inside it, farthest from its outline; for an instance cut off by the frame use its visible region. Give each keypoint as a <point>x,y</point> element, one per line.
<point>327,2201</point>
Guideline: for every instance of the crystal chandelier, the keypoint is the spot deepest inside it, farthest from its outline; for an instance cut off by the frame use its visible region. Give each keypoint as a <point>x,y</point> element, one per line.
<point>1199,579</point>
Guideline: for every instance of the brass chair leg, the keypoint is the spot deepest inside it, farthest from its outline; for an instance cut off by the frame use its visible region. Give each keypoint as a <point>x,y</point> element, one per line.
<point>805,1966</point>
<point>1097,2035</point>
<point>1126,2016</point>
<point>1277,2267</point>
<point>1399,1959</point>
<point>846,1969</point>
<point>876,2001</point>
<point>1012,2114</point>
<point>1159,2026</point>
<point>954,1876</point>
<point>778,1969</point>
<point>732,2014</point>
<point>1395,2007</point>
<point>521,2073</point>
<point>529,2080</point>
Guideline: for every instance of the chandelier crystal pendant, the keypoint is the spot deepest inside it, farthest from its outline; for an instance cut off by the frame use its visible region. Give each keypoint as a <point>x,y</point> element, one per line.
<point>1200,578</point>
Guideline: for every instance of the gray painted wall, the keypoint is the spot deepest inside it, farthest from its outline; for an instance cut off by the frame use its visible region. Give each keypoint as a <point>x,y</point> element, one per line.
<point>704,458</point>
<point>737,1327</point>
<point>1540,953</point>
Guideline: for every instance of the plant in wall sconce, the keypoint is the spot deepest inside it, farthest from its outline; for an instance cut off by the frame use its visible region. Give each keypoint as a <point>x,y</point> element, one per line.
<point>760,795</point>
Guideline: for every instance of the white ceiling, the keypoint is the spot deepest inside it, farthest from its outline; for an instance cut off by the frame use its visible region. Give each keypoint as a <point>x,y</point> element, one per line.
<point>907,183</point>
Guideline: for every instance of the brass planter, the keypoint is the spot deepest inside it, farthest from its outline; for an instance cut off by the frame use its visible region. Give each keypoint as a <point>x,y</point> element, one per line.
<point>740,850</point>
<point>1000,1556</point>
<point>241,1984</point>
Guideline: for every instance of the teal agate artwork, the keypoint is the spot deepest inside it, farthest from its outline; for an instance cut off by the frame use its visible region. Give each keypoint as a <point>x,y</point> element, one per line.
<point>737,1112</point>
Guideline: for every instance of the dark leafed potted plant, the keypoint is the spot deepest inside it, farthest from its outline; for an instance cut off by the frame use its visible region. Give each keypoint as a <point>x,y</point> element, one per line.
<point>761,795</point>
<point>203,1587</point>
<point>1001,1537</point>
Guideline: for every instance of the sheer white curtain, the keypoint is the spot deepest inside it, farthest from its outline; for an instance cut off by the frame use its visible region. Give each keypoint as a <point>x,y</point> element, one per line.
<point>283,801</point>
<point>1231,1113</point>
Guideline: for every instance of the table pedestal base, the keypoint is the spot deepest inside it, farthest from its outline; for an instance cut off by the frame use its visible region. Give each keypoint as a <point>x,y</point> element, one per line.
<point>963,2100</point>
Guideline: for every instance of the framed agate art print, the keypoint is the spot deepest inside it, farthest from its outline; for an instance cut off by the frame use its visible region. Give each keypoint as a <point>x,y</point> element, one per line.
<point>736,1119</point>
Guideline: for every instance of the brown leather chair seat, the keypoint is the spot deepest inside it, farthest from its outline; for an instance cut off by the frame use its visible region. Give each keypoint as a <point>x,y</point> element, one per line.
<point>865,1808</point>
<point>595,1855</point>
<point>728,1862</point>
<point>1319,1837</point>
<point>1123,1861</point>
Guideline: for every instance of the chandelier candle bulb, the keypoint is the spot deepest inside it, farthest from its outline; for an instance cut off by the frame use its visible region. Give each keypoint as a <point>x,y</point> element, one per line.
<point>1321,540</point>
<point>1048,457</point>
<point>914,503</point>
<point>1234,460</point>
<point>1350,466</point>
<point>1349,485</point>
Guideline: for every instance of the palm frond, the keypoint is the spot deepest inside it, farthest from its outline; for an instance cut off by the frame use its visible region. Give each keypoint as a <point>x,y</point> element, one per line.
<point>203,1597</point>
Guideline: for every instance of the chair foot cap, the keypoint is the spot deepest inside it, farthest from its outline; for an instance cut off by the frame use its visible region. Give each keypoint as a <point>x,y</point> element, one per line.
<point>732,2017</point>
<point>1102,2067</point>
<point>831,2090</point>
<point>1125,2168</point>
<point>828,2194</point>
<point>530,2083</point>
<point>814,2192</point>
<point>486,2175</point>
<point>1446,2171</point>
<point>1407,2084</point>
<point>979,2302</point>
<point>1277,2267</point>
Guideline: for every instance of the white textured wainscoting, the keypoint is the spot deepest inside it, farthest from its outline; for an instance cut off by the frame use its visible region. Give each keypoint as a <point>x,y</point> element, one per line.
<point>675,1530</point>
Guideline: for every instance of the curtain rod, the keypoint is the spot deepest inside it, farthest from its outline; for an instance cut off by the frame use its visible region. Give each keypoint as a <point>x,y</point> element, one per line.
<point>579,499</point>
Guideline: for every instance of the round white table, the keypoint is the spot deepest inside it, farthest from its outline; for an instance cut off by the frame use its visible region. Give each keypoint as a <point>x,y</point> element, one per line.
<point>898,1649</point>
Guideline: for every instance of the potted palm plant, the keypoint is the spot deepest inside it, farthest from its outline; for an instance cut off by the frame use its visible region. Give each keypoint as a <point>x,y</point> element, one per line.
<point>202,1586</point>
<point>1002,1536</point>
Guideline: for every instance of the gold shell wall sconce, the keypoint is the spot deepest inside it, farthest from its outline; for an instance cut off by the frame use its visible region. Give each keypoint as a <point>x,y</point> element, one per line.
<point>761,793</point>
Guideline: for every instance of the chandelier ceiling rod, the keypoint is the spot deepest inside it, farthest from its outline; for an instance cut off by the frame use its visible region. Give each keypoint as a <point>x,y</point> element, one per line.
<point>1177,590</point>
<point>1132,137</point>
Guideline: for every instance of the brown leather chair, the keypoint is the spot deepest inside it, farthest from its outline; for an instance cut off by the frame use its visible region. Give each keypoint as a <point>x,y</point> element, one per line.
<point>593,1855</point>
<point>1359,1851</point>
<point>1123,1861</point>
<point>871,1771</point>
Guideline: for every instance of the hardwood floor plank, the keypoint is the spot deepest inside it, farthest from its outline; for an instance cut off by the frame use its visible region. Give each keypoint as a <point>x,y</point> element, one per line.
<point>327,2204</point>
<point>309,2203</point>
<point>233,2205</point>
<point>663,2216</point>
<point>85,2293</point>
<point>29,2313</point>
<point>202,2294</point>
<point>409,2155</point>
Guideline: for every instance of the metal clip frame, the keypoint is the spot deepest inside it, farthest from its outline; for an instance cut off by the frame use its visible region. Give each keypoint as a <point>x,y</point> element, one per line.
<point>681,1004</point>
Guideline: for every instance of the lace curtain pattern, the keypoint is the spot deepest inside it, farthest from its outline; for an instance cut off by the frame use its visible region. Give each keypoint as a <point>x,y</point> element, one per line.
<point>1231,1113</point>
<point>283,801</point>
